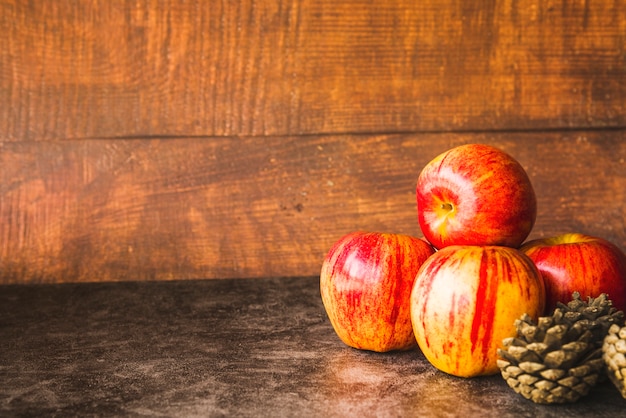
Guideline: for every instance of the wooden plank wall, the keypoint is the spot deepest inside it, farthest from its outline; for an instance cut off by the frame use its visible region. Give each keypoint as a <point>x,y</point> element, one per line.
<point>156,140</point>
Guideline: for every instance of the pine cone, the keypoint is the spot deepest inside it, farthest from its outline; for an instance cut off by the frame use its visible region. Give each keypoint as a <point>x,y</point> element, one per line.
<point>614,355</point>
<point>559,358</point>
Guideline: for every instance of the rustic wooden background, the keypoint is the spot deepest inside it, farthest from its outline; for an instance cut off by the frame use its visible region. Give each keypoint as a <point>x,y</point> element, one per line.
<point>155,140</point>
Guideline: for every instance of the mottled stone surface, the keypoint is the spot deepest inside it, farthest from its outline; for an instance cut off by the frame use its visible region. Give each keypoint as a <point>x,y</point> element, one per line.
<point>223,348</point>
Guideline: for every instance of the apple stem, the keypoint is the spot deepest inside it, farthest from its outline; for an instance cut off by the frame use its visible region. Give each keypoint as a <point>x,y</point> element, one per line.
<point>447,207</point>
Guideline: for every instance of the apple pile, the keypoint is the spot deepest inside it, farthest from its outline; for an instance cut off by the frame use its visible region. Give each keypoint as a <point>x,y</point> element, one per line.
<point>457,293</point>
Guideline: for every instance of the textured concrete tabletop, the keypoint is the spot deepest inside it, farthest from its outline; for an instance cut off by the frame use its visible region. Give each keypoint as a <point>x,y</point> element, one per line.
<point>223,348</point>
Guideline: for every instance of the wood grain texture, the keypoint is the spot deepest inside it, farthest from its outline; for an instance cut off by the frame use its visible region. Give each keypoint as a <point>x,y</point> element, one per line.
<point>145,139</point>
<point>157,209</point>
<point>120,69</point>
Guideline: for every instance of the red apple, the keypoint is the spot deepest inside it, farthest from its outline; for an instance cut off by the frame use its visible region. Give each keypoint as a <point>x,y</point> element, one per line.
<point>366,283</point>
<point>581,263</point>
<point>465,301</point>
<point>475,195</point>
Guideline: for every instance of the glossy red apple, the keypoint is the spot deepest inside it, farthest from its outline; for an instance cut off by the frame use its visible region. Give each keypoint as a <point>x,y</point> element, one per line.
<point>581,263</point>
<point>475,195</point>
<point>465,301</point>
<point>366,283</point>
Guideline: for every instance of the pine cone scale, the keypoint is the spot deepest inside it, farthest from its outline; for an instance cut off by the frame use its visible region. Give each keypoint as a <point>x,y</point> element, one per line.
<point>613,354</point>
<point>558,359</point>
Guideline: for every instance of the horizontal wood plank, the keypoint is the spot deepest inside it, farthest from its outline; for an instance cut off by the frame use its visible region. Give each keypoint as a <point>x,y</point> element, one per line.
<point>111,69</point>
<point>159,209</point>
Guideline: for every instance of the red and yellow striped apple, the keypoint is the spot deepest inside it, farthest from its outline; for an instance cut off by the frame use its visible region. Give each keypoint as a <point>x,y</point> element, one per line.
<point>366,283</point>
<point>475,195</point>
<point>465,301</point>
<point>579,263</point>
